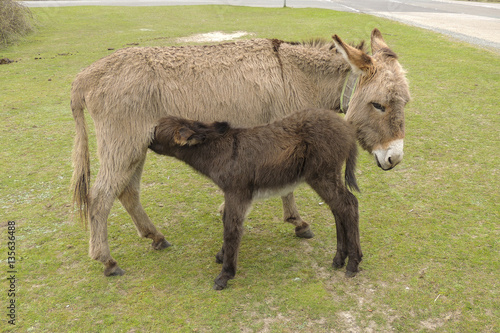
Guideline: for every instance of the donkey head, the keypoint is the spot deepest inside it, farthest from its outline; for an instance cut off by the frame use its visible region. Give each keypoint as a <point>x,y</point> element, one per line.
<point>377,104</point>
<point>173,132</point>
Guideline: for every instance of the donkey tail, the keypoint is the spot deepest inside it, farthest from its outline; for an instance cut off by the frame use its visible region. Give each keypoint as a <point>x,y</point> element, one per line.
<point>80,183</point>
<point>350,168</point>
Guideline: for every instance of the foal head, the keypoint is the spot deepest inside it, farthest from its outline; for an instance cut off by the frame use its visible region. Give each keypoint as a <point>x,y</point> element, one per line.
<point>174,132</point>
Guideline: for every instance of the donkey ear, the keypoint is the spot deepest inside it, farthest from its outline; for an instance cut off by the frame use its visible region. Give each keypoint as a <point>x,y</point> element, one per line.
<point>377,41</point>
<point>359,61</point>
<point>185,136</point>
<point>379,45</point>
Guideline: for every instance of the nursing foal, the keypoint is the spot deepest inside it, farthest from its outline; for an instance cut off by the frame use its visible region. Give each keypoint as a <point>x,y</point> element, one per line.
<point>251,163</point>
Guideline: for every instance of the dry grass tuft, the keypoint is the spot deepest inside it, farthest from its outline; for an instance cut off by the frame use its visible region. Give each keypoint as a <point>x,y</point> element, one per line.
<point>15,21</point>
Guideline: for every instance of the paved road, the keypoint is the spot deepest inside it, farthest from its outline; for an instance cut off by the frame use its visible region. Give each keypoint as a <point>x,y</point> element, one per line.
<point>474,22</point>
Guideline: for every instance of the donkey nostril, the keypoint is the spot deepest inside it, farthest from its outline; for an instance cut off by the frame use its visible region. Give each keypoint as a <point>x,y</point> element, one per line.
<point>389,160</point>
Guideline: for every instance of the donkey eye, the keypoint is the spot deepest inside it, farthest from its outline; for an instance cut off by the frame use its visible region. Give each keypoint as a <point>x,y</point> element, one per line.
<point>379,107</point>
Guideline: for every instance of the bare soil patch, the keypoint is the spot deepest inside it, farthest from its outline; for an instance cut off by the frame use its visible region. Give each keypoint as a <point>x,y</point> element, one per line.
<point>215,36</point>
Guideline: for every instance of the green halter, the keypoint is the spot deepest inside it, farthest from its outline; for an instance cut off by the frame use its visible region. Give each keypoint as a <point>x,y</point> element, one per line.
<point>348,90</point>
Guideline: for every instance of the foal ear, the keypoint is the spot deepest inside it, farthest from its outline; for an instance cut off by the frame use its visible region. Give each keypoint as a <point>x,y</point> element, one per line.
<point>359,61</point>
<point>186,136</point>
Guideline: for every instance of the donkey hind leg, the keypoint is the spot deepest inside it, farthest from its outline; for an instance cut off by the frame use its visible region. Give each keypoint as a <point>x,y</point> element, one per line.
<point>344,206</point>
<point>101,197</point>
<point>110,182</point>
<point>291,215</point>
<point>130,199</point>
<point>233,217</point>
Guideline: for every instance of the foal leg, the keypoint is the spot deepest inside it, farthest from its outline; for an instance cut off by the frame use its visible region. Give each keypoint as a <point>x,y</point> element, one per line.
<point>347,215</point>
<point>291,215</point>
<point>344,206</point>
<point>130,199</point>
<point>233,217</point>
<point>341,254</point>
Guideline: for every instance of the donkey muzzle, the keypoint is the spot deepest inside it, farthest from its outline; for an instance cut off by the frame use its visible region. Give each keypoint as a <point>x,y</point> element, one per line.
<point>387,158</point>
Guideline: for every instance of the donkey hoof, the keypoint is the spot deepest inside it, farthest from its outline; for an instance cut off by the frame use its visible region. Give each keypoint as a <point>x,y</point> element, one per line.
<point>304,232</point>
<point>114,271</point>
<point>162,244</point>
<point>349,274</point>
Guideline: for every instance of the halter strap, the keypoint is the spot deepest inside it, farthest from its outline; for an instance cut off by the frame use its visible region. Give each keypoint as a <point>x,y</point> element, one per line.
<point>348,90</point>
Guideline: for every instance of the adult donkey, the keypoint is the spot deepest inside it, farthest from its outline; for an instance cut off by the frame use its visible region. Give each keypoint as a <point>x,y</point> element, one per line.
<point>247,83</point>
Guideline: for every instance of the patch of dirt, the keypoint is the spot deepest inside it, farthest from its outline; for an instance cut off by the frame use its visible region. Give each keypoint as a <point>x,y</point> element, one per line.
<point>349,322</point>
<point>366,294</point>
<point>270,321</point>
<point>435,323</point>
<point>215,36</point>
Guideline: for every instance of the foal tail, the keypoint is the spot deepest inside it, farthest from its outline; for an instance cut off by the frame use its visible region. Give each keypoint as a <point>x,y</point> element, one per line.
<point>80,183</point>
<point>350,168</point>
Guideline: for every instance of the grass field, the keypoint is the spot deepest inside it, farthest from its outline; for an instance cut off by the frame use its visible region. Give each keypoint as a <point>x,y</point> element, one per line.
<point>429,228</point>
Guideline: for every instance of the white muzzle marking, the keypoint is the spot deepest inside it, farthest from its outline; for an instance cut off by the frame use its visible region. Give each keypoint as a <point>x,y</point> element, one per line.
<point>389,157</point>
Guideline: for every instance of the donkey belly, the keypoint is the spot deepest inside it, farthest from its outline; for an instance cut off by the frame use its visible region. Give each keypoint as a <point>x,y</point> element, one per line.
<point>267,192</point>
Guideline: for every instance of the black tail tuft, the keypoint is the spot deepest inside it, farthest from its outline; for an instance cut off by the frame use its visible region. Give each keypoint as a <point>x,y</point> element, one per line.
<point>350,169</point>
<point>221,127</point>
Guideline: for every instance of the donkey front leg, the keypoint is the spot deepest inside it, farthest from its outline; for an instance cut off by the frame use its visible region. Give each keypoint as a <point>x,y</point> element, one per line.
<point>233,217</point>
<point>291,215</point>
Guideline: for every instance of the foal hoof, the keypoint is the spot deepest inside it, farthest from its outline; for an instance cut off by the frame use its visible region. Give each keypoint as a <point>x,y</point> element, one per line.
<point>337,264</point>
<point>349,274</point>
<point>220,281</point>
<point>220,284</point>
<point>218,287</point>
<point>114,271</point>
<point>304,233</point>
<point>162,244</point>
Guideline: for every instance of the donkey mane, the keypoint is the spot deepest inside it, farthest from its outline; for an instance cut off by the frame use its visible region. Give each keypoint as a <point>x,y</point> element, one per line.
<point>320,43</point>
<point>315,42</point>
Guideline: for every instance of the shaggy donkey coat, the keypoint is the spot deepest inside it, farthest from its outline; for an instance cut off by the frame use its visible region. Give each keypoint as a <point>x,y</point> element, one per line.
<point>309,146</point>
